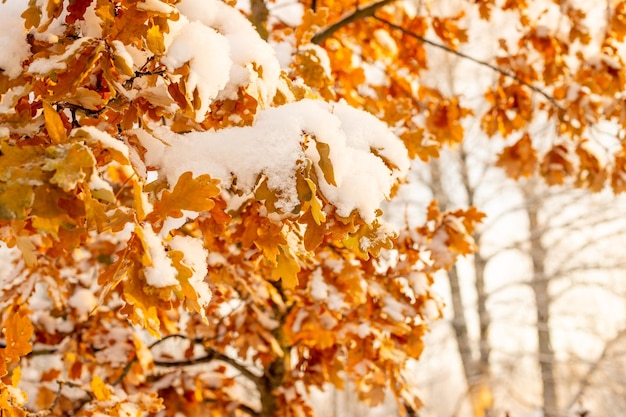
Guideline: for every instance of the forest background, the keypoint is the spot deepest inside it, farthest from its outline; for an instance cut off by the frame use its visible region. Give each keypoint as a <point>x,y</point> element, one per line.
<point>170,254</point>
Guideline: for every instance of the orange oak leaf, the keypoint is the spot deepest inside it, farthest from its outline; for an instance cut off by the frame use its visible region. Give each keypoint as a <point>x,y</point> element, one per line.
<point>18,331</point>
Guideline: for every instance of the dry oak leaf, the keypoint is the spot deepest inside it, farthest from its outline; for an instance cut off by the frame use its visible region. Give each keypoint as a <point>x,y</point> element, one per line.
<point>519,159</point>
<point>556,166</point>
<point>17,333</point>
<point>194,194</point>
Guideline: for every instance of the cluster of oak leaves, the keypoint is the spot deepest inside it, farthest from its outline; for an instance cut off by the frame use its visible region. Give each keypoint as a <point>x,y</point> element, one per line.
<point>198,231</point>
<point>269,298</point>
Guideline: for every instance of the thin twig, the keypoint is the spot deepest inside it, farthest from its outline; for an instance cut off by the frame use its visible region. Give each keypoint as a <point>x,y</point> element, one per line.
<point>125,371</point>
<point>213,355</point>
<point>460,54</point>
<point>586,381</point>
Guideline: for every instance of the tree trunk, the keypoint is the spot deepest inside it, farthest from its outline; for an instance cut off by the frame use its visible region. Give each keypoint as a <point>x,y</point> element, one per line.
<point>483,315</point>
<point>540,289</point>
<point>476,372</point>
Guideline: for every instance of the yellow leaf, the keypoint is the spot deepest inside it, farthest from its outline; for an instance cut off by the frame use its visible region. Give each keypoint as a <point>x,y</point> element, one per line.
<point>481,398</point>
<point>154,39</point>
<point>194,194</point>
<point>86,98</point>
<point>187,291</point>
<point>32,15</point>
<point>3,371</point>
<point>17,332</point>
<point>325,164</point>
<point>316,206</point>
<point>100,390</point>
<point>72,164</point>
<point>54,124</point>
<point>286,268</point>
<point>144,355</point>
<point>263,192</point>
<point>28,250</point>
<point>314,233</point>
<point>15,198</point>
<point>122,65</point>
<point>16,375</point>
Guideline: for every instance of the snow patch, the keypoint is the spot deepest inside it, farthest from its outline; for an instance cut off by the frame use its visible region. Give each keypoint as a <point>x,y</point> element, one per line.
<point>161,273</point>
<point>13,44</point>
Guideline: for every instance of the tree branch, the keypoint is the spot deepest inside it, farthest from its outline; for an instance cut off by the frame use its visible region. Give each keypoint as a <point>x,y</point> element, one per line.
<point>357,14</point>
<point>213,355</point>
<point>586,381</point>
<point>460,54</point>
<point>248,410</point>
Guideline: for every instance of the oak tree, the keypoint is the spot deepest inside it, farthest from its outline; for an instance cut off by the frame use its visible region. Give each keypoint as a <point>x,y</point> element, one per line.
<point>197,231</point>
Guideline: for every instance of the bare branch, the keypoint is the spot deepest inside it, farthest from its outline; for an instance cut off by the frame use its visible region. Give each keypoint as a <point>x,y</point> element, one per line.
<point>248,410</point>
<point>357,14</point>
<point>258,16</point>
<point>460,54</point>
<point>586,380</point>
<point>213,355</point>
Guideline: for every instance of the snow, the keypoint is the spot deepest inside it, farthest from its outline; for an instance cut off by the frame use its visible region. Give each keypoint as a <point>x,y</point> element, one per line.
<point>155,6</point>
<point>364,330</point>
<point>284,51</point>
<point>386,41</point>
<point>161,273</point>
<point>394,309</point>
<point>419,282</point>
<point>122,52</point>
<point>319,288</point>
<point>90,26</point>
<point>321,55</point>
<point>335,300</point>
<point>301,315</point>
<point>431,309</point>
<point>246,47</point>
<point>83,300</point>
<point>275,147</point>
<point>105,139</point>
<point>208,73</point>
<point>13,43</point>
<point>57,62</point>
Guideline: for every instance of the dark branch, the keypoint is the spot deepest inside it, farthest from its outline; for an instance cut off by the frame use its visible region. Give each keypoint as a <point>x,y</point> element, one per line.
<point>213,355</point>
<point>446,48</point>
<point>586,381</point>
<point>125,371</point>
<point>347,19</point>
<point>248,410</point>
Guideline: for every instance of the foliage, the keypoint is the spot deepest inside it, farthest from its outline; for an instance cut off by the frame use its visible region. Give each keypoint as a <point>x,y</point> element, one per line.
<point>200,228</point>
<point>559,67</point>
<point>198,231</point>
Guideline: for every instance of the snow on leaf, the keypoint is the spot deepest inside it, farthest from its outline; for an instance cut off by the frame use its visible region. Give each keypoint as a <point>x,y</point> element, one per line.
<point>519,159</point>
<point>159,271</point>
<point>72,164</point>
